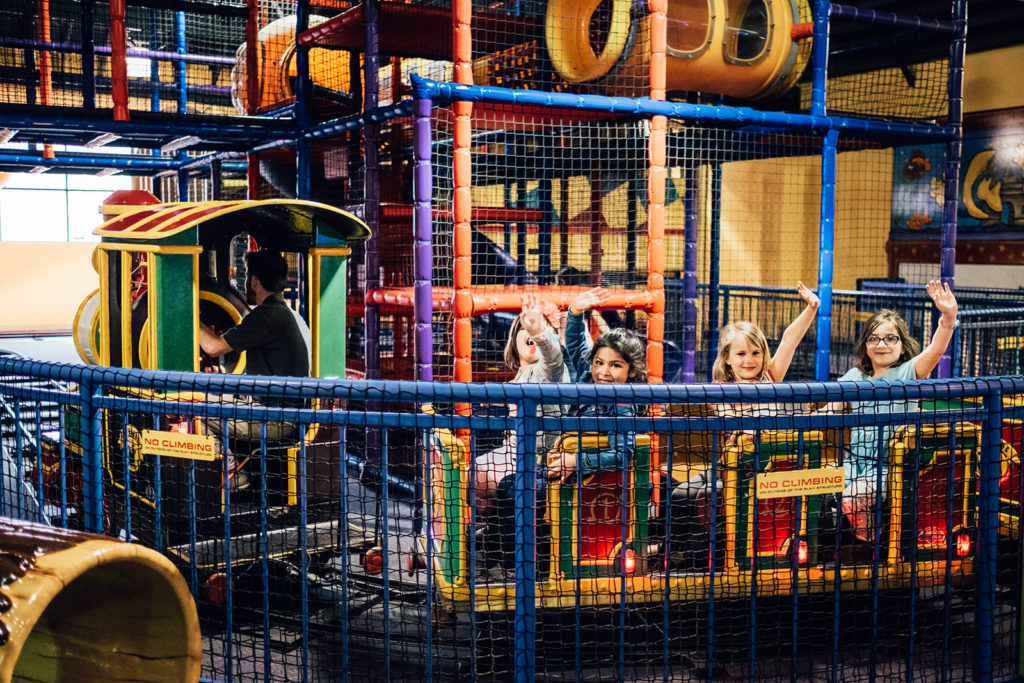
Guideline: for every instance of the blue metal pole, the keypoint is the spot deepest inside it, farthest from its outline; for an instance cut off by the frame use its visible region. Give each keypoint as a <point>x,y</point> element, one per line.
<point>988,535</point>
<point>371,196</point>
<point>88,57</point>
<point>92,458</point>
<point>947,265</point>
<point>303,107</point>
<point>181,68</point>
<point>826,230</point>
<point>526,542</point>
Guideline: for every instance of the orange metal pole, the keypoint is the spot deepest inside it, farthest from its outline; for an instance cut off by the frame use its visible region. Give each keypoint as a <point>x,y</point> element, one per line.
<point>656,222</point>
<point>45,66</point>
<point>462,306</point>
<point>119,60</point>
<point>656,196</point>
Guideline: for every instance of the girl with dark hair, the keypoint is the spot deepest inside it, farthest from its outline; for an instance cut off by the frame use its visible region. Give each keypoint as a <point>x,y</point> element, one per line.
<point>618,356</point>
<point>886,353</point>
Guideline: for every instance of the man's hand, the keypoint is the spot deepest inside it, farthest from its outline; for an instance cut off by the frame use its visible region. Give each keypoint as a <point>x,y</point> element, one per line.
<point>211,343</point>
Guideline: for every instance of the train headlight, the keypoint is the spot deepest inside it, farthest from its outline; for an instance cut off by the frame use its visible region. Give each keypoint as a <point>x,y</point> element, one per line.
<point>801,552</point>
<point>629,561</point>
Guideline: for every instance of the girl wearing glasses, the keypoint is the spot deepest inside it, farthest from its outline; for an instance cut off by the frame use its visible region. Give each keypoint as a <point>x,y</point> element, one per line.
<point>886,353</point>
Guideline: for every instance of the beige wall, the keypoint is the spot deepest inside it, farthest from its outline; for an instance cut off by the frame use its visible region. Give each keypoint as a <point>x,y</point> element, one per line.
<point>990,81</point>
<point>43,284</point>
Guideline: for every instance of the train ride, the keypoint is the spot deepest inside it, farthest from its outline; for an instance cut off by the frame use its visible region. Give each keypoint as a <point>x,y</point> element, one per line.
<point>606,537</point>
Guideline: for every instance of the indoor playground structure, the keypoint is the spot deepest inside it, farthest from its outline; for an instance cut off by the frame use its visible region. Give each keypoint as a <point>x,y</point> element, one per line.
<point>428,168</point>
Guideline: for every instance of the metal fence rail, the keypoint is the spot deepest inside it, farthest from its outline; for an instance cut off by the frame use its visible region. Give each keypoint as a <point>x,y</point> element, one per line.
<point>313,557</point>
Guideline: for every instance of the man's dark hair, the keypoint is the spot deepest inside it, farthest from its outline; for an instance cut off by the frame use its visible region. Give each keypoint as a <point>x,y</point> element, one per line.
<point>269,267</point>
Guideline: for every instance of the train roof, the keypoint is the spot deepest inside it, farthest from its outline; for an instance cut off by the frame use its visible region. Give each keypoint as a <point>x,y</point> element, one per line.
<point>283,221</point>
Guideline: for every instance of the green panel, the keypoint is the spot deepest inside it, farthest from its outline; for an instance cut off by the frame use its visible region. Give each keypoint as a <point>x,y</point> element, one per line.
<point>171,283</point>
<point>332,329</point>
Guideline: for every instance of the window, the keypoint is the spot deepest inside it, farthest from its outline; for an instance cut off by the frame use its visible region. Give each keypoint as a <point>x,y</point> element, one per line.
<point>53,207</point>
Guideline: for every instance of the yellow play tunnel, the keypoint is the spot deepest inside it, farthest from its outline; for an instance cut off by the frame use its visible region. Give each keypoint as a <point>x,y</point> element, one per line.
<point>740,48</point>
<point>328,68</point>
<point>81,607</point>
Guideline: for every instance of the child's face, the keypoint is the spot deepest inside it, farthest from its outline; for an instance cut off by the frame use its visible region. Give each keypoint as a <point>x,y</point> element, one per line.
<point>527,349</point>
<point>882,349</point>
<point>608,367</point>
<point>746,360</point>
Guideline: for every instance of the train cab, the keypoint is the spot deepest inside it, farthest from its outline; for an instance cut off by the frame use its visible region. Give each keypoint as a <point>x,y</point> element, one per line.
<point>164,269</point>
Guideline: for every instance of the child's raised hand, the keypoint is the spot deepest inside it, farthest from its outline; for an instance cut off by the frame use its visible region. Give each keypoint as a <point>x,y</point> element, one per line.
<point>561,465</point>
<point>806,294</point>
<point>590,299</point>
<point>533,322</point>
<point>533,317</point>
<point>943,297</point>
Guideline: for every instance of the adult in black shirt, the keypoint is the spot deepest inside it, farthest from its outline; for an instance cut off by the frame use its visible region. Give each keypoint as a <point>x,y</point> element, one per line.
<point>271,337</point>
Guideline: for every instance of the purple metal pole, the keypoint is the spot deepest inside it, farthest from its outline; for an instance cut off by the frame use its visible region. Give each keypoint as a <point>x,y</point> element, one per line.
<point>371,190</point>
<point>947,260</point>
<point>422,218</point>
<point>106,50</point>
<point>690,275</point>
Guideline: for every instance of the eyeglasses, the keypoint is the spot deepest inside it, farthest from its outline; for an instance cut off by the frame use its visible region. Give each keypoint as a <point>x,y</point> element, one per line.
<point>889,339</point>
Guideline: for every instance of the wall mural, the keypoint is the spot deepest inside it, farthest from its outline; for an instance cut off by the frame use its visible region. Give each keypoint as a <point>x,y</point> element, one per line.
<point>991,201</point>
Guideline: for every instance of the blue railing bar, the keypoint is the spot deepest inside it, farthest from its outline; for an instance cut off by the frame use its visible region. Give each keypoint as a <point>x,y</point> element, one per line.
<point>233,129</point>
<point>358,121</point>
<point>76,48</point>
<point>447,92</point>
<point>876,17</point>
<point>424,392</point>
<point>146,163</point>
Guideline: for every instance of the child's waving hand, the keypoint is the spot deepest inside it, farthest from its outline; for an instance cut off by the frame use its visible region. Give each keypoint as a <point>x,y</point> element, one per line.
<point>589,299</point>
<point>806,294</point>
<point>944,299</point>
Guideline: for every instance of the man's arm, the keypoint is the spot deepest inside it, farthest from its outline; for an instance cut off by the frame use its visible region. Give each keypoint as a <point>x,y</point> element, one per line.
<point>212,343</point>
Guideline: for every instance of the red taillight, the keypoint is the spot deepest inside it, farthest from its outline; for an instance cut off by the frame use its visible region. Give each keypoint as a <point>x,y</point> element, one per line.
<point>629,561</point>
<point>963,545</point>
<point>217,588</point>
<point>801,552</point>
